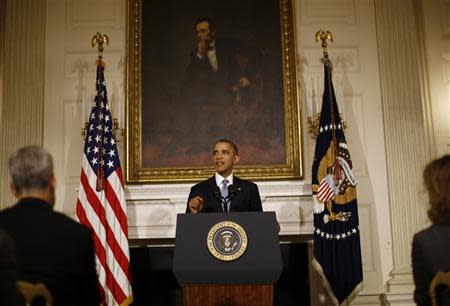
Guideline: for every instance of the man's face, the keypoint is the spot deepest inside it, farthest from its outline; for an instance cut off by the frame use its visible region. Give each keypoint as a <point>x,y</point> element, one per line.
<point>203,32</point>
<point>224,158</point>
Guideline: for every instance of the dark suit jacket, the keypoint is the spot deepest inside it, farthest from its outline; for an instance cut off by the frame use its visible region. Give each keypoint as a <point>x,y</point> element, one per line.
<point>53,249</point>
<point>204,85</point>
<point>430,254</point>
<point>9,293</point>
<point>246,197</point>
<point>234,60</point>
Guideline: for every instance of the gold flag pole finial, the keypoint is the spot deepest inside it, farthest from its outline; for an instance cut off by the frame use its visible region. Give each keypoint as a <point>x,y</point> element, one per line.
<point>314,120</point>
<point>324,36</point>
<point>100,39</point>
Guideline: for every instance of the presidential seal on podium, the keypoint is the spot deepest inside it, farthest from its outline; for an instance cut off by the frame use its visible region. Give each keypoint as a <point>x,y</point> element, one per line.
<point>227,240</point>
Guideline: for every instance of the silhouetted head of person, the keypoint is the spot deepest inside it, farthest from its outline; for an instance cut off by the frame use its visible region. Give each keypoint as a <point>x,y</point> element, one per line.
<point>31,173</point>
<point>436,177</point>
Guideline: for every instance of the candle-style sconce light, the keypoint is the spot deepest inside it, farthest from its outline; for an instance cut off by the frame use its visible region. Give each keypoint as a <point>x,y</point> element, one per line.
<point>313,124</point>
<point>99,40</point>
<point>314,120</point>
<point>116,128</point>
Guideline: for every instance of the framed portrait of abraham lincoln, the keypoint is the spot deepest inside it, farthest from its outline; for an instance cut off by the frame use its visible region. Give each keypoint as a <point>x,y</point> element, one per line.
<point>199,71</point>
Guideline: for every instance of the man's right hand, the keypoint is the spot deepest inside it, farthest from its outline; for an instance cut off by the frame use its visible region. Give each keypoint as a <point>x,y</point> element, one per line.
<point>195,204</point>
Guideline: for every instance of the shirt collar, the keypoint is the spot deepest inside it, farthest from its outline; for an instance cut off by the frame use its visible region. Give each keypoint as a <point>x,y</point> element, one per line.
<point>220,178</point>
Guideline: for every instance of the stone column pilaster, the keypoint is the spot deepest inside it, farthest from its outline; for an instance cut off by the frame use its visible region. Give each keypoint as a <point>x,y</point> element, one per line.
<point>408,146</point>
<point>22,58</point>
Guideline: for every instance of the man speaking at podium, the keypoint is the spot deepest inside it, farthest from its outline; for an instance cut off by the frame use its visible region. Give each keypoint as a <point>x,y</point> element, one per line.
<point>224,192</point>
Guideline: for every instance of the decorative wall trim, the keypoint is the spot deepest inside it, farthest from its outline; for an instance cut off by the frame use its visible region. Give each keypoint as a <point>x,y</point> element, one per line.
<point>152,209</point>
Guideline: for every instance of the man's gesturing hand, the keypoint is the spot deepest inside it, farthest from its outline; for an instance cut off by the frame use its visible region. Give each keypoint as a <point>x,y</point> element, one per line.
<point>195,204</point>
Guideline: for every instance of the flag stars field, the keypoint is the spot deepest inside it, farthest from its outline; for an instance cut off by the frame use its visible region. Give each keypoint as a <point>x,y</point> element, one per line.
<point>335,236</point>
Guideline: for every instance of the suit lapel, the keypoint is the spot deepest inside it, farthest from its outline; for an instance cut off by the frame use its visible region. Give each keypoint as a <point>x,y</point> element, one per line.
<point>212,187</point>
<point>237,196</point>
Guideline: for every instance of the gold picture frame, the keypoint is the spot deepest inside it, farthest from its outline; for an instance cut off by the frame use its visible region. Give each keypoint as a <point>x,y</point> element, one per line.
<point>158,36</point>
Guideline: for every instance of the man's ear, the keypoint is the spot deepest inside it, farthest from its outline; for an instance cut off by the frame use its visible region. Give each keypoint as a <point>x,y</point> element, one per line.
<point>52,181</point>
<point>13,190</point>
<point>236,159</point>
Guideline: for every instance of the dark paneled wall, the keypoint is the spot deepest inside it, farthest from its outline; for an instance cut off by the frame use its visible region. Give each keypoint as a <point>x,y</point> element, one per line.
<point>155,285</point>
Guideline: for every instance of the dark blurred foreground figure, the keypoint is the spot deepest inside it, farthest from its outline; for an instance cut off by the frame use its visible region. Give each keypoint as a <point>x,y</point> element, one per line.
<point>431,246</point>
<point>9,293</point>
<point>50,247</point>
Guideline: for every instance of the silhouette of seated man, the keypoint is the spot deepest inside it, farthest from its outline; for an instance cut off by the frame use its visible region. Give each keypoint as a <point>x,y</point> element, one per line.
<point>51,248</point>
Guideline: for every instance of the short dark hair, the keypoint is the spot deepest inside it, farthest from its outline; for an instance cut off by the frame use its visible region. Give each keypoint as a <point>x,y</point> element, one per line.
<point>235,148</point>
<point>212,26</point>
<point>436,178</point>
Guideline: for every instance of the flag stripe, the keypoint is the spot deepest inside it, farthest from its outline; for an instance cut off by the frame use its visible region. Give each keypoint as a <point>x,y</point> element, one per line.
<point>101,256</point>
<point>114,202</point>
<point>100,250</point>
<point>101,201</point>
<point>99,210</point>
<point>93,220</point>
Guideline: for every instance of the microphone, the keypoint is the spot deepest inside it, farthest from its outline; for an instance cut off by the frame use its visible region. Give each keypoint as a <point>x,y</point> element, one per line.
<point>217,192</point>
<point>232,190</point>
<point>222,201</point>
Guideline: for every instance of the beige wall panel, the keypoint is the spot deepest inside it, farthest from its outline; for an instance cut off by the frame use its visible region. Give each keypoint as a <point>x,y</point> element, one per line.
<point>70,81</point>
<point>437,44</point>
<point>90,14</point>
<point>328,11</point>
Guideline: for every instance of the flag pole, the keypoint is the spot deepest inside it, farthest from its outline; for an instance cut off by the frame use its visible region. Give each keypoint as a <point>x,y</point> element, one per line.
<point>324,36</point>
<point>100,39</point>
<point>337,253</point>
<point>313,122</point>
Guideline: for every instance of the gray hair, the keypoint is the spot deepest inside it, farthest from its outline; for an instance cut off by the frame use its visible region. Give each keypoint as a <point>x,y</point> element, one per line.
<point>31,168</point>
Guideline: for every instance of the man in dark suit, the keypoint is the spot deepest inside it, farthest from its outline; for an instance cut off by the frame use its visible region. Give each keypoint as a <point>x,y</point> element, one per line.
<point>50,247</point>
<point>221,65</point>
<point>224,192</point>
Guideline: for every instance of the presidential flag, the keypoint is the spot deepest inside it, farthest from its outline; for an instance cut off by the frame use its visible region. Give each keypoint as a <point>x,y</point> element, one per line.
<point>337,251</point>
<point>101,201</point>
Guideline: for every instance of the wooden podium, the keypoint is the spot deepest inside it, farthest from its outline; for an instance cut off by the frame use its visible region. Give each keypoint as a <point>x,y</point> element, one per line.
<point>210,281</point>
<point>227,295</point>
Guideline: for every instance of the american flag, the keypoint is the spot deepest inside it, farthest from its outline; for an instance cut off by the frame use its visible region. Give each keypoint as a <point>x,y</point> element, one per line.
<point>101,201</point>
